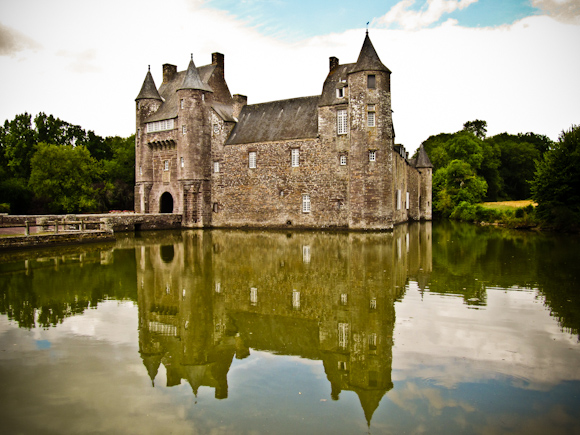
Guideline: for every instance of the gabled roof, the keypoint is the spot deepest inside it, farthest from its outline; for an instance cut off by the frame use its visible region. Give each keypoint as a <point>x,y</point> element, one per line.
<point>278,120</point>
<point>192,79</point>
<point>423,159</point>
<point>368,59</point>
<point>148,90</point>
<point>224,111</point>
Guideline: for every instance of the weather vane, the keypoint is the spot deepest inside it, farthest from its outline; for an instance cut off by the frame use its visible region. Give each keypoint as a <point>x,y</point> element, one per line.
<point>368,27</point>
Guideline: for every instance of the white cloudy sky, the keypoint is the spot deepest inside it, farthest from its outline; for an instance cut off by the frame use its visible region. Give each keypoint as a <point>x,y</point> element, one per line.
<point>513,63</point>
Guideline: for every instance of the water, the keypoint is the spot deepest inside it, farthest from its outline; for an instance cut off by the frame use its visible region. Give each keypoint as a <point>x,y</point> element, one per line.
<point>433,328</point>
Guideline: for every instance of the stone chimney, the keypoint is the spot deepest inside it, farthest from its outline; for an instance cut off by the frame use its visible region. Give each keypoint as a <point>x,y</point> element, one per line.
<point>333,62</point>
<point>239,102</point>
<point>169,72</point>
<point>218,60</point>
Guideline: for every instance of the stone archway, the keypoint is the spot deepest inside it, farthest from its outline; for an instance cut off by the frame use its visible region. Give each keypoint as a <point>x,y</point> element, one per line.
<point>166,203</point>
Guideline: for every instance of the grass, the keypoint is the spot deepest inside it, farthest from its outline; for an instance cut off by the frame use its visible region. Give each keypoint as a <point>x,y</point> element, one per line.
<point>508,205</point>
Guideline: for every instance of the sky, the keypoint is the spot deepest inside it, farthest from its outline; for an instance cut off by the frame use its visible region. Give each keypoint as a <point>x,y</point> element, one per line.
<point>512,63</point>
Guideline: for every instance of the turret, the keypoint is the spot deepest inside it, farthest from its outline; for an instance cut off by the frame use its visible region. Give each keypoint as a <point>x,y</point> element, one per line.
<point>425,168</point>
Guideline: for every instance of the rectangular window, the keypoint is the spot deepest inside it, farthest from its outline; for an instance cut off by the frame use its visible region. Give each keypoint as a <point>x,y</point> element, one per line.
<point>166,124</point>
<point>218,287</point>
<point>295,299</point>
<point>166,165</point>
<point>343,335</point>
<point>398,199</point>
<point>295,157</point>
<point>306,254</point>
<point>215,207</point>
<point>371,81</point>
<point>253,296</point>
<point>182,160</point>
<point>342,366</point>
<point>371,115</point>
<point>216,167</point>
<point>181,104</point>
<point>184,130</point>
<point>140,170</point>
<point>407,202</point>
<point>373,341</point>
<point>252,159</point>
<point>343,299</point>
<point>373,304</point>
<point>305,203</point>
<point>340,93</point>
<point>343,160</point>
<point>372,156</point>
<point>341,122</point>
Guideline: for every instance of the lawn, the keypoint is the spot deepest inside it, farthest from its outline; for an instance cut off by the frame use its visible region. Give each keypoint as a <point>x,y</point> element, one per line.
<point>508,205</point>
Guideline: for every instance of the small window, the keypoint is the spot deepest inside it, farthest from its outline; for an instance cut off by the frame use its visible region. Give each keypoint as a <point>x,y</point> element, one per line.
<point>343,335</point>
<point>181,103</point>
<point>398,199</point>
<point>218,287</point>
<point>339,92</point>
<point>371,119</point>
<point>306,254</point>
<point>253,296</point>
<point>371,81</point>
<point>305,203</point>
<point>341,122</point>
<point>182,161</point>
<point>343,160</point>
<point>296,299</point>
<point>216,167</point>
<point>408,201</point>
<point>295,157</point>
<point>140,170</point>
<point>372,156</point>
<point>139,132</point>
<point>373,304</point>
<point>252,159</point>
<point>373,341</point>
<point>184,130</point>
<point>215,207</point>
<point>343,299</point>
<point>342,366</point>
<point>166,165</point>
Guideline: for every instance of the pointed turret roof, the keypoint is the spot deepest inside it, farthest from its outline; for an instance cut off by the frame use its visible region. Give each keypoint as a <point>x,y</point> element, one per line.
<point>192,79</point>
<point>368,59</point>
<point>148,90</point>
<point>423,159</point>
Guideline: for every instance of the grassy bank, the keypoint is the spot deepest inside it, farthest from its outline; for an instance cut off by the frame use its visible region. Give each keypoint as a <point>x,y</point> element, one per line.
<point>512,214</point>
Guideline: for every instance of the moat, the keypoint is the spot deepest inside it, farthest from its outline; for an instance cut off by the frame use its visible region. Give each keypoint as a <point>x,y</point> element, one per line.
<point>435,327</point>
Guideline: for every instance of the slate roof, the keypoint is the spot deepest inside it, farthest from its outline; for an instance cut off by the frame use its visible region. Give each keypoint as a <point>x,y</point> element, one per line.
<point>368,59</point>
<point>296,118</point>
<point>333,81</point>
<point>168,92</point>
<point>423,160</point>
<point>192,79</point>
<point>148,90</point>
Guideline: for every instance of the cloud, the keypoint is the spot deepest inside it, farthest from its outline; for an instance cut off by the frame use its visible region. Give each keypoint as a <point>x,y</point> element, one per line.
<point>412,20</point>
<point>566,11</point>
<point>12,41</point>
<point>82,61</point>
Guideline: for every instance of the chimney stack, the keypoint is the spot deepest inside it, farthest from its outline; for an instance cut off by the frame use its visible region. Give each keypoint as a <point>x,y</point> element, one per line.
<point>333,62</point>
<point>169,71</point>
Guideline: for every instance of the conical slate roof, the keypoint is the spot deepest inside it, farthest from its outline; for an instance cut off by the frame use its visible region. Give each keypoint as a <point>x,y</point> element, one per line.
<point>192,80</point>
<point>148,90</point>
<point>423,159</point>
<point>368,59</point>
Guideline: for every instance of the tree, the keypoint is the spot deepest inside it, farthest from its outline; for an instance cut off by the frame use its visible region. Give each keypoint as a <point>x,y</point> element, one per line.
<point>477,127</point>
<point>456,183</point>
<point>119,173</point>
<point>17,143</point>
<point>64,175</point>
<point>556,185</point>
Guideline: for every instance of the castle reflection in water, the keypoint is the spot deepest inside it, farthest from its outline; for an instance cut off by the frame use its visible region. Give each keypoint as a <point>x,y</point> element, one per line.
<point>211,296</point>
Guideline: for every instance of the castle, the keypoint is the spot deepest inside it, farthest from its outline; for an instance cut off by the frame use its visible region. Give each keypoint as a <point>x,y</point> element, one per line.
<point>326,161</point>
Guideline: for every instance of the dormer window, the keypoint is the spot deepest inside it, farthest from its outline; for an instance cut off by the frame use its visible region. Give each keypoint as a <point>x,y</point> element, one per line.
<point>166,124</point>
<point>339,92</point>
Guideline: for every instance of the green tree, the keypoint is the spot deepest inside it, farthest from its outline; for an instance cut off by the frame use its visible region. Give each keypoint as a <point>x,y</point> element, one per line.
<point>17,143</point>
<point>119,173</point>
<point>556,185</point>
<point>64,175</point>
<point>477,127</point>
<point>456,183</point>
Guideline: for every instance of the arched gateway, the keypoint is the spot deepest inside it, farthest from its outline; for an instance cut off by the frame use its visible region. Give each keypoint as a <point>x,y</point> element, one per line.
<point>166,203</point>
